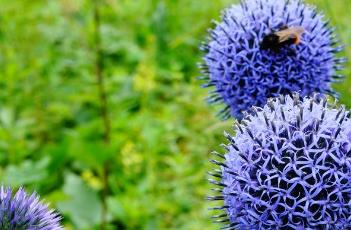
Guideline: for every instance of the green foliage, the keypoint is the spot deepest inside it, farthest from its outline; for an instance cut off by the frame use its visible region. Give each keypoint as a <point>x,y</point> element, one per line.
<point>82,203</point>
<point>51,129</point>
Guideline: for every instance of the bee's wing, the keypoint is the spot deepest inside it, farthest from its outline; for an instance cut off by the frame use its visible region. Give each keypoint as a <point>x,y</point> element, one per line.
<point>293,32</point>
<point>285,37</point>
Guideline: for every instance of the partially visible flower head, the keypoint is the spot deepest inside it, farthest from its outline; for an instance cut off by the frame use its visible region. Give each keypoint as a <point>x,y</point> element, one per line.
<point>287,167</point>
<point>21,211</point>
<point>245,75</point>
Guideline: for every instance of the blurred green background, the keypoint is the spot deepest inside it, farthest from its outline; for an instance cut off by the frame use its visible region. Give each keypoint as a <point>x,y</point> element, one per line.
<point>101,113</point>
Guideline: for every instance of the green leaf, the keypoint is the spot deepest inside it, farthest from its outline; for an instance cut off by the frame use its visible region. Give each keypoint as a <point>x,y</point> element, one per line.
<point>26,173</point>
<point>82,205</point>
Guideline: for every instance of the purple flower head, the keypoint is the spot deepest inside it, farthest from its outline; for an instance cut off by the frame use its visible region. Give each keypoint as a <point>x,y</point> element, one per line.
<point>287,167</point>
<point>25,212</point>
<point>244,75</point>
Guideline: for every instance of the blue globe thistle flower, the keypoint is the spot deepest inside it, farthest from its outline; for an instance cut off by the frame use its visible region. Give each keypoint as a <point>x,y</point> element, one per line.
<point>287,167</point>
<point>21,211</point>
<point>245,75</point>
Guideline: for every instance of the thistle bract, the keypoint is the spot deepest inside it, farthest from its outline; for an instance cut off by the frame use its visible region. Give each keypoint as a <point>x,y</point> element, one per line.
<point>21,211</point>
<point>287,167</point>
<point>245,75</point>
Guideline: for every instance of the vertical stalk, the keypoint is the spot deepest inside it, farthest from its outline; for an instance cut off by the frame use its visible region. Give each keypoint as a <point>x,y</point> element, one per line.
<point>103,105</point>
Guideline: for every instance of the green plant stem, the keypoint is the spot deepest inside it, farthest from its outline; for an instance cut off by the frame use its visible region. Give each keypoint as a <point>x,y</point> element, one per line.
<point>103,106</point>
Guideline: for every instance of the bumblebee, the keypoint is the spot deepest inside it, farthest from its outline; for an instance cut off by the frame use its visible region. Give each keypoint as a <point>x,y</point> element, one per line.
<point>284,37</point>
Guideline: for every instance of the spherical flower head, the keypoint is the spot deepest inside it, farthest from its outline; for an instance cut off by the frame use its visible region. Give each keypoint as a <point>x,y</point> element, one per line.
<point>21,211</point>
<point>287,167</point>
<point>245,75</point>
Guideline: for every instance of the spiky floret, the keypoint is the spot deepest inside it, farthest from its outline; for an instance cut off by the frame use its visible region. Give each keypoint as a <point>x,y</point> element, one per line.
<point>287,167</point>
<point>21,211</point>
<point>244,75</point>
